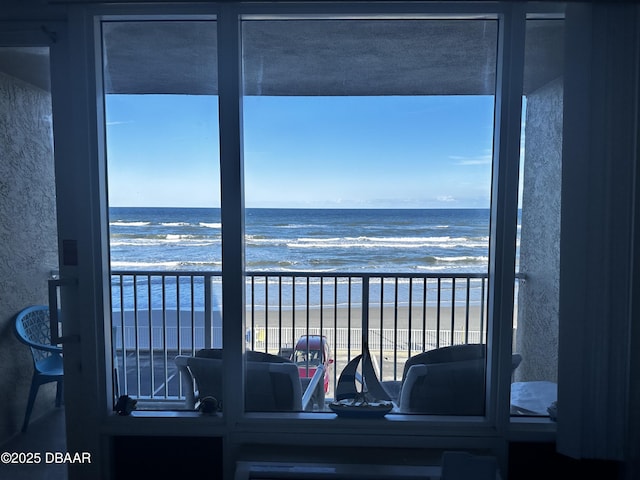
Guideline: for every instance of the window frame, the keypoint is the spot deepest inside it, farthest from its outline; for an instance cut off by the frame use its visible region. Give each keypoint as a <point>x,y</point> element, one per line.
<point>249,427</point>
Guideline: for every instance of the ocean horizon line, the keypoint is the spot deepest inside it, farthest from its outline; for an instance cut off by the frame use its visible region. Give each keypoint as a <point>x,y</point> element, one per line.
<point>304,208</point>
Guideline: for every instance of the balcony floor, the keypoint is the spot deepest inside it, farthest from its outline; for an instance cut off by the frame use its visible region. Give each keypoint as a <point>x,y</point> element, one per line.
<point>46,434</point>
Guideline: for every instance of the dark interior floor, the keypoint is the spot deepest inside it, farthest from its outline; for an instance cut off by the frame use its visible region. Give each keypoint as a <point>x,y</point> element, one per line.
<point>44,435</point>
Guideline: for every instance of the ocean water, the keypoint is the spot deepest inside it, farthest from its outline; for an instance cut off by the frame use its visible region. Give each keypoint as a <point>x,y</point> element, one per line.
<point>298,240</point>
<point>338,240</point>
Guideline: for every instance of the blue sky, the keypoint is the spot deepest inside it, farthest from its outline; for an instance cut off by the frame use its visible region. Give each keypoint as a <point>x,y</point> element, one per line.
<point>311,152</point>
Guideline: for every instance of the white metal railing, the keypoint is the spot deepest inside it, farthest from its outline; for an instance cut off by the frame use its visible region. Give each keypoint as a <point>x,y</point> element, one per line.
<point>286,337</point>
<point>157,315</point>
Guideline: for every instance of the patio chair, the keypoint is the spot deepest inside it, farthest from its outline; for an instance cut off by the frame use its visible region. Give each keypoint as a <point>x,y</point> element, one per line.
<point>438,355</point>
<point>33,329</point>
<point>272,382</point>
<point>446,381</point>
<point>450,388</point>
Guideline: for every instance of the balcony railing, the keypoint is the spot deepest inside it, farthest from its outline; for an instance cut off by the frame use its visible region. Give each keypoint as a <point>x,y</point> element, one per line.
<point>158,315</point>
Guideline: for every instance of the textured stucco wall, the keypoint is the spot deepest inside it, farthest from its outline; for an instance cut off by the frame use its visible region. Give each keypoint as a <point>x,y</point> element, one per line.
<point>28,243</point>
<point>538,296</point>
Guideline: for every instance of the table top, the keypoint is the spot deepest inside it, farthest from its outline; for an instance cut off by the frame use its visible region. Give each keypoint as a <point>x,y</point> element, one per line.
<point>533,398</point>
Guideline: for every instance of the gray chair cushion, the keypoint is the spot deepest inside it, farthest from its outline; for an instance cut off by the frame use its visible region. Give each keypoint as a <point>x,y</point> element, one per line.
<point>270,386</point>
<point>452,353</point>
<point>454,388</point>
<point>273,387</point>
<point>252,356</point>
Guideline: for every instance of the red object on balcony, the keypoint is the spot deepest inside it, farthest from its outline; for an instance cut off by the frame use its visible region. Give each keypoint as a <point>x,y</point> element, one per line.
<point>309,352</point>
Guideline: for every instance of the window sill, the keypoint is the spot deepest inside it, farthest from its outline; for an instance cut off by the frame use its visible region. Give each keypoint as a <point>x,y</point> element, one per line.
<point>260,426</point>
<point>538,429</point>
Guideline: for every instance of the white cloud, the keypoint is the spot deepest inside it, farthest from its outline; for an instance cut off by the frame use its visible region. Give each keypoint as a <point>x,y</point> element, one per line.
<point>466,161</point>
<point>445,198</point>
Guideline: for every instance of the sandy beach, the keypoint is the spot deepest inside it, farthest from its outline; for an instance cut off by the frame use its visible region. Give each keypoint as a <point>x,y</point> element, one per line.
<point>389,340</point>
<point>461,318</point>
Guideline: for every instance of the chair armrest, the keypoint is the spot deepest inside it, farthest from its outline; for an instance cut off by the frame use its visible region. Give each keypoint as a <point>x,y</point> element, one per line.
<point>181,362</point>
<point>404,397</point>
<point>311,387</point>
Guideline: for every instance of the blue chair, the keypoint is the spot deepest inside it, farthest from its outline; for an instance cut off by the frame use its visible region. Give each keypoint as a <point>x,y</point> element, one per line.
<point>33,329</point>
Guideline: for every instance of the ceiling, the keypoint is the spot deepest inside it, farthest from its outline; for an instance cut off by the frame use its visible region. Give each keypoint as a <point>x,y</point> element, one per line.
<point>309,57</point>
<point>325,57</point>
<point>30,64</point>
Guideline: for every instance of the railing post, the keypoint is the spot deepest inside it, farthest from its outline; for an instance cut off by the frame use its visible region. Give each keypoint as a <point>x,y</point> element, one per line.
<point>365,311</point>
<point>208,312</point>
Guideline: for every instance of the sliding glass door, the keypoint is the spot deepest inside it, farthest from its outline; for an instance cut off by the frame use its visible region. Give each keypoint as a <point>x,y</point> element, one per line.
<point>162,151</point>
<point>368,150</point>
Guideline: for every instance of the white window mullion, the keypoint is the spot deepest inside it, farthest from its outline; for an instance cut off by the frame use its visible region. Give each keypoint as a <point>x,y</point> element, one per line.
<point>82,225</point>
<point>232,210</point>
<point>504,211</point>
